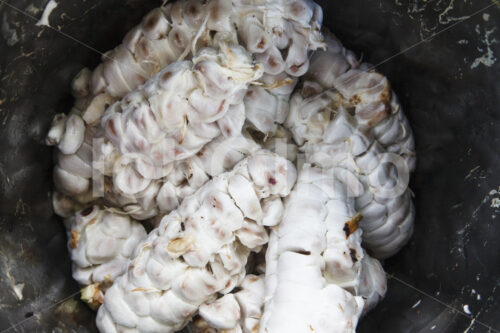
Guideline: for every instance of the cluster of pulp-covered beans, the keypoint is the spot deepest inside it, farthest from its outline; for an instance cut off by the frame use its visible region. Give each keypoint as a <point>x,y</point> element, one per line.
<point>266,157</point>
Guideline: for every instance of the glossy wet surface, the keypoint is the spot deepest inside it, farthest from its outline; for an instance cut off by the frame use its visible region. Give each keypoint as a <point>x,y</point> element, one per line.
<point>446,280</point>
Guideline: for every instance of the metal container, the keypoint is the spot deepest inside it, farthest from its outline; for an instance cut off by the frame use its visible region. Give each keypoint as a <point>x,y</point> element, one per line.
<point>441,58</point>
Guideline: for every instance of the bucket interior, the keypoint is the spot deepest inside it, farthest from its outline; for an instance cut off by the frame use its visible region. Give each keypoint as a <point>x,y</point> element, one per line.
<point>443,67</point>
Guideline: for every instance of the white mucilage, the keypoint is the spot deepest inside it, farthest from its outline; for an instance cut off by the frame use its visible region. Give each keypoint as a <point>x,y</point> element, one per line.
<point>171,118</point>
<point>170,128</point>
<point>174,114</point>
<point>197,251</point>
<point>158,41</point>
<point>366,93</point>
<point>174,32</point>
<point>138,125</point>
<point>237,312</point>
<point>316,278</point>
<point>350,118</point>
<point>100,244</point>
<point>164,195</point>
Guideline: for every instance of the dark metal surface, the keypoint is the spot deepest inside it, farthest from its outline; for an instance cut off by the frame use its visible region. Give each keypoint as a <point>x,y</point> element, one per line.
<point>450,97</point>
